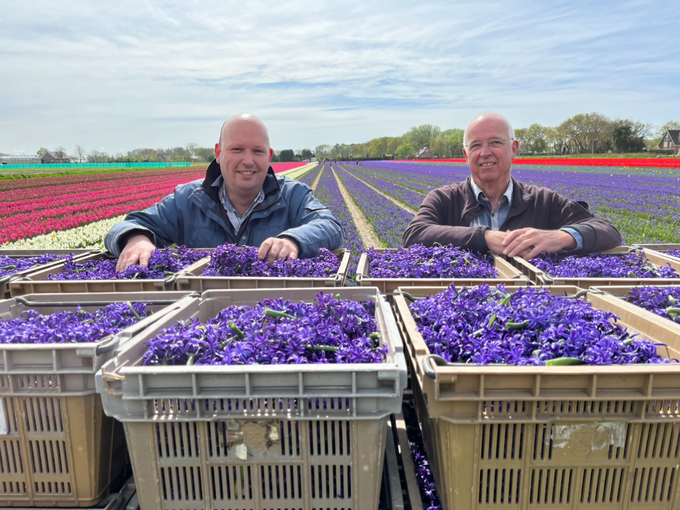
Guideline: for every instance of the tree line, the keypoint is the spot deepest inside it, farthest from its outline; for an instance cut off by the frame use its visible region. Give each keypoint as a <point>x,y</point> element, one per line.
<point>585,133</point>
<point>190,152</point>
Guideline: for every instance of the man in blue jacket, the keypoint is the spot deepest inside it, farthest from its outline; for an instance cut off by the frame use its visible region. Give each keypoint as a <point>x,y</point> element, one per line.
<point>240,201</point>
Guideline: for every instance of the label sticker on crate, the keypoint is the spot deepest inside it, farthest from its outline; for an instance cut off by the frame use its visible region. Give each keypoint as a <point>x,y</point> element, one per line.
<point>584,438</point>
<point>4,429</point>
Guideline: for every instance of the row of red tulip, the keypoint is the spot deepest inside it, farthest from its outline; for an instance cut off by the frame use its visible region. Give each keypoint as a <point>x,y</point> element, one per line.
<point>51,187</point>
<point>54,199</point>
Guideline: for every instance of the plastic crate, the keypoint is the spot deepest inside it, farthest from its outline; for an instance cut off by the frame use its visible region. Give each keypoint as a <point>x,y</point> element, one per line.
<point>256,437</point>
<point>539,277</point>
<point>4,281</point>
<point>194,281</point>
<point>509,275</point>
<point>661,249</point>
<point>36,282</point>
<point>551,437</point>
<point>57,448</point>
<point>621,291</point>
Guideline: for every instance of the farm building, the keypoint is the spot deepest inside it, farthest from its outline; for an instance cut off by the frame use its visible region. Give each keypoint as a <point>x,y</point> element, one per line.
<point>425,153</point>
<point>671,140</point>
<point>20,160</point>
<point>51,157</point>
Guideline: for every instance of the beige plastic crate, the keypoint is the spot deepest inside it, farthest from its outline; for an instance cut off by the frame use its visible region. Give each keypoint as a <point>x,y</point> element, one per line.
<point>36,282</point>
<point>661,249</point>
<point>508,274</point>
<point>621,291</point>
<point>4,281</point>
<point>57,448</point>
<point>574,437</point>
<point>193,280</point>
<point>58,451</point>
<point>256,437</point>
<point>539,277</point>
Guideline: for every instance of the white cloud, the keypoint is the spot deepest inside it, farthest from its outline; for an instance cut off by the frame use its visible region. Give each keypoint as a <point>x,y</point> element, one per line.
<point>163,73</point>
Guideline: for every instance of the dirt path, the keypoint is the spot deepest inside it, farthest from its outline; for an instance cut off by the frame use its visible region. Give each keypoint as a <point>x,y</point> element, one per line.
<point>366,231</point>
<point>397,202</point>
<point>316,181</point>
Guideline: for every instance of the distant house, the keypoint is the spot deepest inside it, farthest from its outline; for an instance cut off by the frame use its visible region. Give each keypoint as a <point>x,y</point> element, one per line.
<point>671,140</point>
<point>50,157</point>
<point>425,153</point>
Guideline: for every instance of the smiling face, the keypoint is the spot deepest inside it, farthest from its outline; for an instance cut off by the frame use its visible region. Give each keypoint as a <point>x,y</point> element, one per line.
<point>244,156</point>
<point>490,166</point>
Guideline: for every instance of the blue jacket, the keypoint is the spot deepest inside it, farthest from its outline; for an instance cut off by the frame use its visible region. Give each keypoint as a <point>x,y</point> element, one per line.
<point>194,216</point>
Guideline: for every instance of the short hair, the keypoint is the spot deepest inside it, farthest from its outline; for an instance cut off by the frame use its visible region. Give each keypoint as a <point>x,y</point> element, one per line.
<point>490,115</point>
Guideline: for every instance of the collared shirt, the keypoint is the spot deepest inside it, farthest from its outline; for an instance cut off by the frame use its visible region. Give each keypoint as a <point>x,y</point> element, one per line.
<point>234,217</point>
<point>495,219</point>
<point>489,218</point>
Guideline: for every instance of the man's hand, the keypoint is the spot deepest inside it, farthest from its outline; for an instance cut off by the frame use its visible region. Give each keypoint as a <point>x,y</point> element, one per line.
<point>136,251</point>
<point>529,242</point>
<point>494,240</point>
<point>276,248</point>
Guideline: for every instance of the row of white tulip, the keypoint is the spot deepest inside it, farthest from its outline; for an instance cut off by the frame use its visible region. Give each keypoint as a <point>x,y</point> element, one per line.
<point>88,236</point>
<point>298,172</point>
<point>92,235</point>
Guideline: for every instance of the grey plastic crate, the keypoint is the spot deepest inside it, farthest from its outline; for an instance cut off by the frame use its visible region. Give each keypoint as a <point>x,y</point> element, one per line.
<point>68,369</point>
<point>508,275</point>
<point>36,282</point>
<point>256,437</point>
<point>539,277</point>
<point>133,392</point>
<point>4,281</point>
<point>193,280</point>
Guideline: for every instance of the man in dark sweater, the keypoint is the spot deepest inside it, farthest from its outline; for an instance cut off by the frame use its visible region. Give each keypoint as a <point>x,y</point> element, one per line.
<point>493,211</point>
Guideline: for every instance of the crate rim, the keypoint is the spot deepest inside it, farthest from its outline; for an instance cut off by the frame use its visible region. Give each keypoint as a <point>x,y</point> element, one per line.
<point>444,374</point>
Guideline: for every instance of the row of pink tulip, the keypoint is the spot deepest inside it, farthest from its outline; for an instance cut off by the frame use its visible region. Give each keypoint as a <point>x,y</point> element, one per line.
<point>52,187</point>
<point>55,200</point>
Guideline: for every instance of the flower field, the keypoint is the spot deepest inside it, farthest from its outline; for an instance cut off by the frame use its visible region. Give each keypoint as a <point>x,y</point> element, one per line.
<point>76,211</point>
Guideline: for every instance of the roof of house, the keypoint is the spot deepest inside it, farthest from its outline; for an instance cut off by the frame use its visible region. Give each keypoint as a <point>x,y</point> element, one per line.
<point>675,136</point>
<point>425,152</point>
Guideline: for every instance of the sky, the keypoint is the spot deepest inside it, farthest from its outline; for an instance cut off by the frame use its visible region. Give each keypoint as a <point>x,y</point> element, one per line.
<point>116,76</point>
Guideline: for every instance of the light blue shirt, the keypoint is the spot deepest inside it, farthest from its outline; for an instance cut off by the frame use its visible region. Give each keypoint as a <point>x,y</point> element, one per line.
<point>495,219</point>
<point>234,217</point>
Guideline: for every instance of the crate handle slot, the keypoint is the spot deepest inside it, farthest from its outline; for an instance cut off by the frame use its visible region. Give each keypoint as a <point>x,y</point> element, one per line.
<point>427,366</point>
<point>107,345</point>
<point>170,280</point>
<point>407,295</point>
<point>546,280</point>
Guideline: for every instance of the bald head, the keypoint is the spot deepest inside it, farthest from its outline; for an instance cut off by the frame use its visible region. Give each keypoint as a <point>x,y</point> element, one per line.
<point>488,116</point>
<point>239,122</point>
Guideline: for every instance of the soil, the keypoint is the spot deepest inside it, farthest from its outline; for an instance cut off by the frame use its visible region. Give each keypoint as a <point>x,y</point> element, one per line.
<point>397,202</point>
<point>316,181</point>
<point>366,231</point>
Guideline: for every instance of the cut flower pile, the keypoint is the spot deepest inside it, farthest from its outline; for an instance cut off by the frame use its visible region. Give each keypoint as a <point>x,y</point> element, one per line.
<point>663,301</point>
<point>599,265</point>
<point>418,261</point>
<point>487,325</point>
<point>233,260</point>
<point>274,331</point>
<point>12,265</point>
<point>71,327</point>
<point>162,263</point>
